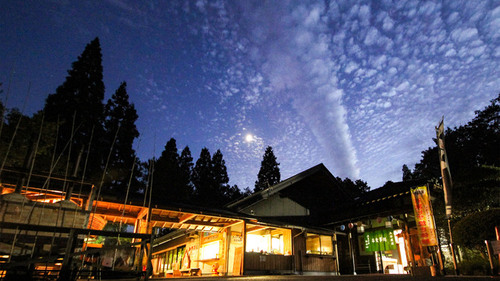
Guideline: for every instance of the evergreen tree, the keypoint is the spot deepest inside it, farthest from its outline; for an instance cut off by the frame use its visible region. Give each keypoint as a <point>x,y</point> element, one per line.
<point>220,180</point>
<point>235,193</point>
<point>356,188</point>
<point>120,121</point>
<point>361,186</point>
<point>166,175</point>
<point>474,160</point>
<point>80,98</point>
<point>185,172</point>
<point>202,178</point>
<point>269,173</point>
<point>407,174</point>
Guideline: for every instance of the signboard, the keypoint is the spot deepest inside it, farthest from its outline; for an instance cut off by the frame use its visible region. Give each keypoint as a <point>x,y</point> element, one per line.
<point>423,216</point>
<point>379,240</point>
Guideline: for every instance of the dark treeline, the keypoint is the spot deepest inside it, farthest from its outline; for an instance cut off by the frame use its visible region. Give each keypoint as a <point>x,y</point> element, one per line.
<point>78,135</point>
<point>473,152</point>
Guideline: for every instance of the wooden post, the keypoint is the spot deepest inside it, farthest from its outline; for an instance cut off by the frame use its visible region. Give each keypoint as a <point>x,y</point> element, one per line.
<point>65,273</point>
<point>490,257</point>
<point>497,233</point>
<point>141,256</point>
<point>452,248</point>
<point>407,230</point>
<point>244,233</point>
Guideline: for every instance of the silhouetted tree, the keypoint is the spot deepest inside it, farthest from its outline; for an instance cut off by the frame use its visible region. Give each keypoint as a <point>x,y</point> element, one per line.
<point>362,186</point>
<point>210,180</point>
<point>356,188</point>
<point>202,178</point>
<point>407,174</point>
<point>220,179</point>
<point>120,121</point>
<point>185,172</point>
<point>80,98</point>
<point>166,175</point>
<point>269,173</point>
<point>474,160</point>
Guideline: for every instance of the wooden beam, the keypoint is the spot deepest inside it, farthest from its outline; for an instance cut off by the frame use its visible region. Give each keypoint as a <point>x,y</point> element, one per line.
<point>142,213</point>
<point>58,229</point>
<point>186,217</point>
<point>115,213</point>
<point>254,228</point>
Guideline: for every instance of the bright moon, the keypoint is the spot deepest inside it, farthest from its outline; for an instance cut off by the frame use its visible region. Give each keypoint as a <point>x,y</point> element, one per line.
<point>248,138</point>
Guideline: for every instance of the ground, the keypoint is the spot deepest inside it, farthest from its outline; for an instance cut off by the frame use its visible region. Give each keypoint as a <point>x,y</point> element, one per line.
<point>371,277</point>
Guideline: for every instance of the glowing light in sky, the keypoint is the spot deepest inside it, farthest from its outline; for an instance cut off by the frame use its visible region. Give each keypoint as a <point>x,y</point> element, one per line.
<point>249,138</point>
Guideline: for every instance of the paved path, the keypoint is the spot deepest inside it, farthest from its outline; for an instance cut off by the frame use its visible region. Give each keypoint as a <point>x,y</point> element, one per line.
<point>367,277</point>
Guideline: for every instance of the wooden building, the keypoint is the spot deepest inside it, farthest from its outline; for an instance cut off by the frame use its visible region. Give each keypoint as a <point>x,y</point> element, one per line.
<point>306,224</point>
<point>384,234</point>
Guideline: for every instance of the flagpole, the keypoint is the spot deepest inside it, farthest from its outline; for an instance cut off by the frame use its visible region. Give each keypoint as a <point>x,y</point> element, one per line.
<point>447,185</point>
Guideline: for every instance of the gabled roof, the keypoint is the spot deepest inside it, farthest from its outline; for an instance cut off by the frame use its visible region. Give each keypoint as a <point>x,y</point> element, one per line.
<point>391,199</point>
<point>316,181</point>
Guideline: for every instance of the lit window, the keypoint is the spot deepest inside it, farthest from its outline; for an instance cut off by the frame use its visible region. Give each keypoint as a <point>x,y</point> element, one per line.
<point>256,243</point>
<point>319,244</point>
<point>210,251</point>
<point>268,240</point>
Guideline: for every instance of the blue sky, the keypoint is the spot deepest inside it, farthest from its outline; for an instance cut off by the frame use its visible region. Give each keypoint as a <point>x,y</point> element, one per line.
<point>356,85</point>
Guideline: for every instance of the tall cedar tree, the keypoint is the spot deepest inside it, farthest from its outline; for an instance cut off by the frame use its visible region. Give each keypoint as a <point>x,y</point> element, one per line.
<point>269,173</point>
<point>82,94</point>
<point>220,180</point>
<point>407,174</point>
<point>165,177</point>
<point>210,180</point>
<point>202,179</point>
<point>120,121</point>
<point>185,172</point>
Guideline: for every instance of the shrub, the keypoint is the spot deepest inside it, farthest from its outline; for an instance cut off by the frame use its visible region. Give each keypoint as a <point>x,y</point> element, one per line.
<point>472,230</point>
<point>475,266</point>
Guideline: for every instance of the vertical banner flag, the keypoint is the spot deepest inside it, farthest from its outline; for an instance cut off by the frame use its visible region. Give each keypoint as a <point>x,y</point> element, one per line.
<point>423,216</point>
<point>445,169</point>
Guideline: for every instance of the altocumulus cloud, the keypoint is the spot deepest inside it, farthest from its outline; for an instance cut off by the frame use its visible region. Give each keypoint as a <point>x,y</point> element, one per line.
<point>358,86</point>
<point>363,84</point>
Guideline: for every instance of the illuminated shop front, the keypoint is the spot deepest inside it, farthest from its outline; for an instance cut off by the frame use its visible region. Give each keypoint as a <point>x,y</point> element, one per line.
<point>191,253</point>
<point>244,248</point>
<point>394,231</point>
<point>387,246</point>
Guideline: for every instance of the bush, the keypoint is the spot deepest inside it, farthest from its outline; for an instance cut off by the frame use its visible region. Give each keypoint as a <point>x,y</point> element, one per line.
<point>476,266</point>
<point>472,230</point>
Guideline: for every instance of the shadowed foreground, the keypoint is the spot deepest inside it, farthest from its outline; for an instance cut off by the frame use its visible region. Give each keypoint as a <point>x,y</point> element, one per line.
<point>371,277</point>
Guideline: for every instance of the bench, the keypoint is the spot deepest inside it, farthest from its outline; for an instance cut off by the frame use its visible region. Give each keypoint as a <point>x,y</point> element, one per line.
<point>195,271</point>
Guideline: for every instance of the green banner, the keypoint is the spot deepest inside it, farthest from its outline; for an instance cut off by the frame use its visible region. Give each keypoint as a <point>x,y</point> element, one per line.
<point>380,240</point>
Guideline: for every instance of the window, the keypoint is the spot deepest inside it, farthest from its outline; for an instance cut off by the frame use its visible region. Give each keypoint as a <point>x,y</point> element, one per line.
<point>168,260</point>
<point>319,244</point>
<point>210,251</point>
<point>268,240</point>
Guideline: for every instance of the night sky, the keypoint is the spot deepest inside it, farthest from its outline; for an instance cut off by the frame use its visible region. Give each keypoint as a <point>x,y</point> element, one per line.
<point>356,85</point>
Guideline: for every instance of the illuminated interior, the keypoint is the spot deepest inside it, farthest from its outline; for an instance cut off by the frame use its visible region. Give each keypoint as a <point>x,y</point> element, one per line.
<point>268,240</point>
<point>319,244</point>
<point>210,250</point>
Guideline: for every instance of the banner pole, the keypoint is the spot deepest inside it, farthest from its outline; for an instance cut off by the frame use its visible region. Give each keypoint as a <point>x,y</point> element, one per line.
<point>452,248</point>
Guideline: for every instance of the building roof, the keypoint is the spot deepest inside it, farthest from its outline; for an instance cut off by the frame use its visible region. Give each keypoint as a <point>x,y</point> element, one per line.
<point>393,198</point>
<point>315,188</point>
